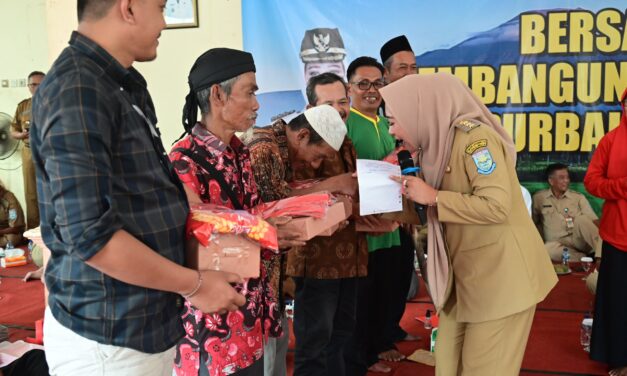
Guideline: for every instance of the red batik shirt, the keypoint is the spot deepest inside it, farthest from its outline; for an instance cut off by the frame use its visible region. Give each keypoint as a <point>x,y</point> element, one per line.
<point>231,341</point>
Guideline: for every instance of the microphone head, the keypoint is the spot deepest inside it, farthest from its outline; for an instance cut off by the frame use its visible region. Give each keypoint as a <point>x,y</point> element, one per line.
<point>404,159</point>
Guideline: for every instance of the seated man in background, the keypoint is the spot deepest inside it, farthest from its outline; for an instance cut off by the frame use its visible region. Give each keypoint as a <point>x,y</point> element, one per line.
<point>11,218</point>
<point>564,217</point>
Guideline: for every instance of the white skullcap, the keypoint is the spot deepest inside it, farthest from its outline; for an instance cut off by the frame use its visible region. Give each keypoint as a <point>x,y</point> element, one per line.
<point>325,120</point>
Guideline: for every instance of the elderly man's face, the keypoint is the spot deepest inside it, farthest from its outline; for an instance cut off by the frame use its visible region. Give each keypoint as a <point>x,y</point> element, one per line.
<point>314,69</point>
<point>309,154</point>
<point>403,63</point>
<point>560,180</point>
<point>240,108</point>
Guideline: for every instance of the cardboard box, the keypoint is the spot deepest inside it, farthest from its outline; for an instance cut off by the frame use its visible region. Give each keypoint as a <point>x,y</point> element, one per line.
<point>226,252</point>
<point>310,227</point>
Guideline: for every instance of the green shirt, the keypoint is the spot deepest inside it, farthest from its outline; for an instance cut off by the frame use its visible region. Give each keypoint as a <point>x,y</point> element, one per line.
<point>372,141</point>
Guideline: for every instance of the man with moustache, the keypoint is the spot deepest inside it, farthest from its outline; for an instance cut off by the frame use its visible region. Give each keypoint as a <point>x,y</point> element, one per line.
<point>112,211</point>
<point>389,267</point>
<point>398,59</point>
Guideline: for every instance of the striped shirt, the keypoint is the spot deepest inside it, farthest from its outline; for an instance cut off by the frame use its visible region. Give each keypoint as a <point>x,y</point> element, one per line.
<point>101,168</point>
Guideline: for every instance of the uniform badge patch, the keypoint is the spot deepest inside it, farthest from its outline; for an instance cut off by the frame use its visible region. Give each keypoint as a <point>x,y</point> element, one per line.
<point>484,161</point>
<point>12,215</point>
<point>476,145</point>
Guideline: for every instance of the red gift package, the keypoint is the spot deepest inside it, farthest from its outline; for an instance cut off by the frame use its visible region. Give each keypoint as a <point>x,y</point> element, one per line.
<point>227,240</point>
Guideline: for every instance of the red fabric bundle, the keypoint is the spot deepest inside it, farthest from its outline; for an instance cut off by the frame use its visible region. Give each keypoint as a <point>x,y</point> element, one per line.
<point>205,220</point>
<point>311,205</point>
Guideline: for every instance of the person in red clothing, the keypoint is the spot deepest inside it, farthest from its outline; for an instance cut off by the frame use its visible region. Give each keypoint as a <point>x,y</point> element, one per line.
<point>607,178</point>
<point>215,165</point>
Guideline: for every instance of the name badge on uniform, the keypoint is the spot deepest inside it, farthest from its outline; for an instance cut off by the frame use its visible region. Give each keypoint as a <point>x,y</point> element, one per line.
<point>484,161</point>
<point>12,214</point>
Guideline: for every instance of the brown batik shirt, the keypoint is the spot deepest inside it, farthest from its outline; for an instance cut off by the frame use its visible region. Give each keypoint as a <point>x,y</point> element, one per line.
<point>341,255</point>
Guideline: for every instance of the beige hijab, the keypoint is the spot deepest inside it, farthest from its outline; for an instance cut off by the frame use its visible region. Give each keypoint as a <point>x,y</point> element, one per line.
<point>428,107</point>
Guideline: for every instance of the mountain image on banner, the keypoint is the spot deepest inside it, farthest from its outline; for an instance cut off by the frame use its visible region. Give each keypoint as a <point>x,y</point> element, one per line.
<point>501,46</point>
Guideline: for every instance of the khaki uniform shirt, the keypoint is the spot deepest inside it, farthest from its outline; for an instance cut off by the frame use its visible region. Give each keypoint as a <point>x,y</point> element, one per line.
<point>21,121</point>
<point>498,260</point>
<point>11,214</point>
<point>549,212</point>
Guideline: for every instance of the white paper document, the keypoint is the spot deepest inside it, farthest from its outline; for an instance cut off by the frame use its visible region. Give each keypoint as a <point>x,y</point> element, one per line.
<point>377,192</point>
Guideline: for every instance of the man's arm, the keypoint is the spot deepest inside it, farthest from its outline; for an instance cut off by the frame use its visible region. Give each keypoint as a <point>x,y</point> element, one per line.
<point>269,171</point>
<point>12,230</point>
<point>127,259</point>
<point>345,184</point>
<point>586,209</point>
<point>17,131</point>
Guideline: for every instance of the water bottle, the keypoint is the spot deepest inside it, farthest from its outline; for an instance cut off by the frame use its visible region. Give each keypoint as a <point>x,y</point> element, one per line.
<point>428,320</point>
<point>586,333</point>
<point>565,257</point>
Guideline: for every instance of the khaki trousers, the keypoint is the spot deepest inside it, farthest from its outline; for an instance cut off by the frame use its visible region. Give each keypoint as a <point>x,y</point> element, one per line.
<point>30,189</point>
<point>581,242</point>
<point>491,348</point>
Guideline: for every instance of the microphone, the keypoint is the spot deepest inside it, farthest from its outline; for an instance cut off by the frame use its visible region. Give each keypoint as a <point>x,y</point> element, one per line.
<point>407,168</point>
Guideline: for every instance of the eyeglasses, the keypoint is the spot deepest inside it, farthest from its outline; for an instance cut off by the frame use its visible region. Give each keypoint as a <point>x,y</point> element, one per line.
<point>366,85</point>
<point>33,85</point>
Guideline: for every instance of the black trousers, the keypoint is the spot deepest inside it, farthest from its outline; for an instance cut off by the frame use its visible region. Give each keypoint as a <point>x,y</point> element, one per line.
<point>400,270</point>
<point>32,363</point>
<point>381,299</point>
<point>609,329</point>
<point>254,369</point>
<point>324,320</point>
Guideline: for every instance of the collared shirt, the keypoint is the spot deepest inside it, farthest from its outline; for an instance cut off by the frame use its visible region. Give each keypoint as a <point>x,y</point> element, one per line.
<point>372,140</point>
<point>269,155</point>
<point>271,162</point>
<point>22,119</point>
<point>233,340</point>
<point>100,170</point>
<point>549,212</point>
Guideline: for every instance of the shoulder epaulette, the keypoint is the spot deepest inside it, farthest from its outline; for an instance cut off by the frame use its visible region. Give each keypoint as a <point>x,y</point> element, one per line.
<point>467,125</point>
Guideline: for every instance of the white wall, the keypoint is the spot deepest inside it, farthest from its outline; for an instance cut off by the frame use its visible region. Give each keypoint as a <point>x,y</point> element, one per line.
<point>33,33</point>
<point>22,50</point>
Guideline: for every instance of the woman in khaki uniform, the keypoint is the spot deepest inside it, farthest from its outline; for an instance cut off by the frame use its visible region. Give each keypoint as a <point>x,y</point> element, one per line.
<point>487,268</point>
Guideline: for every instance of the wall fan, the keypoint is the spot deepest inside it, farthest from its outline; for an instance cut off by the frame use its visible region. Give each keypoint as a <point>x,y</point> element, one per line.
<point>8,145</point>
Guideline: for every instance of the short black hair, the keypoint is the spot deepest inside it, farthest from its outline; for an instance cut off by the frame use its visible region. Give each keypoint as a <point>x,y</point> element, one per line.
<point>321,79</point>
<point>300,122</point>
<point>94,9</point>
<point>550,169</point>
<point>363,61</point>
<point>35,73</point>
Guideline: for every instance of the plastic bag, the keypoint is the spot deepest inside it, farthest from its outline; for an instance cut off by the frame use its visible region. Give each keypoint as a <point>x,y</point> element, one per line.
<point>205,220</point>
